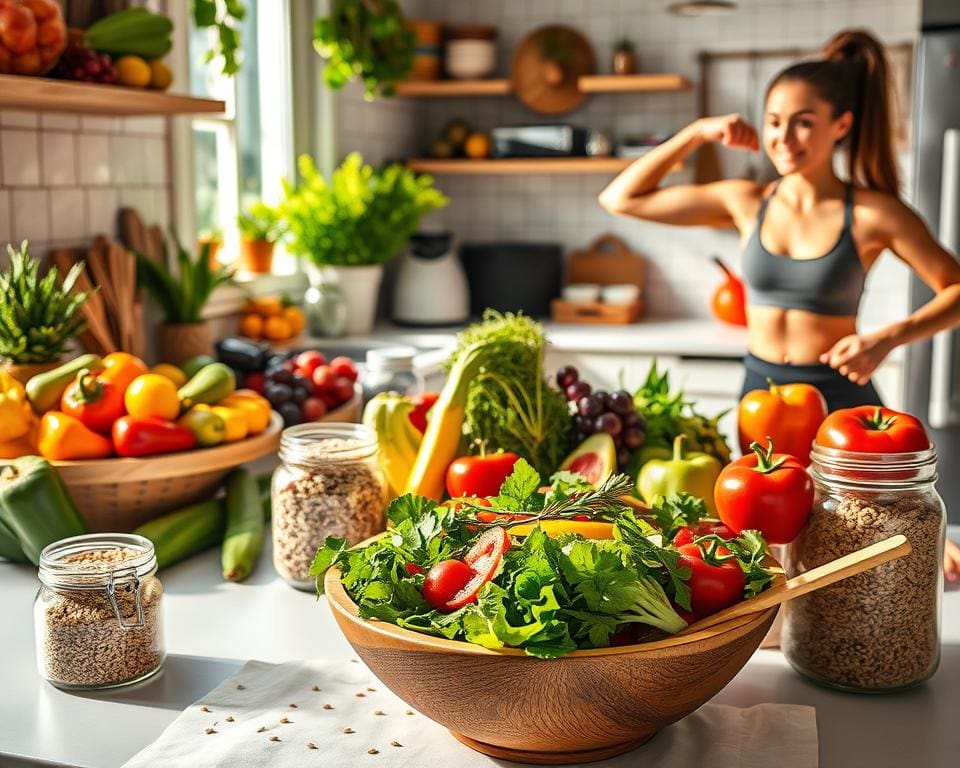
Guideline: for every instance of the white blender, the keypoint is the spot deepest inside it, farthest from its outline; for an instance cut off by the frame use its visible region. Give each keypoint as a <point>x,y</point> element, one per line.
<point>431,286</point>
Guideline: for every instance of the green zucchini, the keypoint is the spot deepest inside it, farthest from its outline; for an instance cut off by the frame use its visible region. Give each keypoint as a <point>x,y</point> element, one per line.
<point>178,535</point>
<point>45,389</point>
<point>210,385</point>
<point>134,31</point>
<point>35,505</point>
<point>245,526</point>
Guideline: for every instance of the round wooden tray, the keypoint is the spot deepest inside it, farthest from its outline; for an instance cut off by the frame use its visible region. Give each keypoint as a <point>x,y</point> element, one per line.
<point>528,73</point>
<point>120,494</point>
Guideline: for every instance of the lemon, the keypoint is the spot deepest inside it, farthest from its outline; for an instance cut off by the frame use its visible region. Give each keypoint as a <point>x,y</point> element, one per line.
<point>132,70</point>
<point>160,75</point>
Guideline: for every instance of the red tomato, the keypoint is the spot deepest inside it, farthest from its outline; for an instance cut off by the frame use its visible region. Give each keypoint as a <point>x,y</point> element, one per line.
<point>309,361</point>
<point>766,491</point>
<point>687,534</point>
<point>479,475</point>
<point>484,559</point>
<point>870,429</point>
<point>712,587</point>
<point>344,366</point>
<point>444,581</point>
<point>322,378</point>
<point>413,569</point>
<point>789,414</point>
<point>422,405</point>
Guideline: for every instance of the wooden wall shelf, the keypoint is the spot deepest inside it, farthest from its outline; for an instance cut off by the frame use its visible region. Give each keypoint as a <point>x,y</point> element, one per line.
<point>530,165</point>
<point>588,84</point>
<point>46,95</point>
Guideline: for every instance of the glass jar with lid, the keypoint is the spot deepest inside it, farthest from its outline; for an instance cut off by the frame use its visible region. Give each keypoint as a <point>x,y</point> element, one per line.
<point>880,630</point>
<point>329,483</point>
<point>97,614</point>
<point>391,369</point>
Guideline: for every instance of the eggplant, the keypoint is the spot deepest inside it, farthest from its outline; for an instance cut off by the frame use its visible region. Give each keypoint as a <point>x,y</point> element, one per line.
<point>243,354</point>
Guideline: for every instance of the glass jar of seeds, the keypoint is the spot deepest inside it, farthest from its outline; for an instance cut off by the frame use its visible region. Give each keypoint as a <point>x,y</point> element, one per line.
<point>880,630</point>
<point>329,483</point>
<point>97,614</point>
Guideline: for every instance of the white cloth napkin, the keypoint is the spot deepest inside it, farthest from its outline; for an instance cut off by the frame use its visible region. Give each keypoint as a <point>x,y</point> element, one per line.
<point>271,714</point>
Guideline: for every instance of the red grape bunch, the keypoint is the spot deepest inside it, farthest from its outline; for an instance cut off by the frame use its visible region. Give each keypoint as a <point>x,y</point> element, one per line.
<point>85,65</point>
<point>601,411</point>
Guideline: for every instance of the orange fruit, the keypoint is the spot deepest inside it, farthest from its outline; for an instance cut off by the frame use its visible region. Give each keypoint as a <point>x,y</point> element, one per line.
<point>295,317</point>
<point>277,329</point>
<point>268,306</point>
<point>477,145</point>
<point>252,327</point>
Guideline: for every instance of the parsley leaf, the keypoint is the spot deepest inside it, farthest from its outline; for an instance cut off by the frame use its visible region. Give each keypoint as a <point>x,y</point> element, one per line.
<point>520,492</point>
<point>676,510</point>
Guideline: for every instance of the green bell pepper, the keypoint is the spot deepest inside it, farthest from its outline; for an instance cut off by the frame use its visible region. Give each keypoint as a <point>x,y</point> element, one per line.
<point>35,505</point>
<point>693,473</point>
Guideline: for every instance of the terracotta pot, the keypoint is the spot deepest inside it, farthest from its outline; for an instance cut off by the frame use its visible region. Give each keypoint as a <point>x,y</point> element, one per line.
<point>23,372</point>
<point>178,342</point>
<point>624,63</point>
<point>256,256</point>
<point>212,253</point>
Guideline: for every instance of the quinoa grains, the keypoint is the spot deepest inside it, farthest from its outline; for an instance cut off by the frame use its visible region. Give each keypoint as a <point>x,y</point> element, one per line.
<point>329,485</point>
<point>97,615</point>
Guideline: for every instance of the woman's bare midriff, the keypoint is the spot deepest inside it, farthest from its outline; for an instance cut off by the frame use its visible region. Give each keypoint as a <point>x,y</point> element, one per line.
<point>792,335</point>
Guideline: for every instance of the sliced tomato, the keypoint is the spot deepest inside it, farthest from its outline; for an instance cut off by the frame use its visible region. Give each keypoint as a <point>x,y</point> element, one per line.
<point>413,569</point>
<point>484,558</point>
<point>687,533</point>
<point>446,580</point>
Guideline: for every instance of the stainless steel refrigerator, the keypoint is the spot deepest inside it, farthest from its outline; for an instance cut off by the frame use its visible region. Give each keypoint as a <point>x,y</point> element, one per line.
<point>932,387</point>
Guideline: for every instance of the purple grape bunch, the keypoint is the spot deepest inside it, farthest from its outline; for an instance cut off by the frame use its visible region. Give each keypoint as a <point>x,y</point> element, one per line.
<point>601,411</point>
<point>85,65</point>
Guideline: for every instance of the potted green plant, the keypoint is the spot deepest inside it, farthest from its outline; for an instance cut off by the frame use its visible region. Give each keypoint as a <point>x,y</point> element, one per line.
<point>182,297</point>
<point>354,224</point>
<point>259,228</point>
<point>365,39</point>
<point>209,241</point>
<point>624,57</point>
<point>38,315</point>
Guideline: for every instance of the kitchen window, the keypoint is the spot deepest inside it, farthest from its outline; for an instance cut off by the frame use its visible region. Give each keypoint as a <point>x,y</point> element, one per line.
<point>226,161</point>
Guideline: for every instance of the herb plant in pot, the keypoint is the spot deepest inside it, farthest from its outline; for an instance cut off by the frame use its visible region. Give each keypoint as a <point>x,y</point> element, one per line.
<point>38,315</point>
<point>182,297</point>
<point>259,228</point>
<point>347,228</point>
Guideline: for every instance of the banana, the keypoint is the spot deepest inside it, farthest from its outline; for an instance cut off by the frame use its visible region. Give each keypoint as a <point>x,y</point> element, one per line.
<point>388,414</point>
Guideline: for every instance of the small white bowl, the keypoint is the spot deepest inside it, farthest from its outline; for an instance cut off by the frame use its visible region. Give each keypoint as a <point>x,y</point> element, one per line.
<point>470,59</point>
<point>581,293</point>
<point>620,293</point>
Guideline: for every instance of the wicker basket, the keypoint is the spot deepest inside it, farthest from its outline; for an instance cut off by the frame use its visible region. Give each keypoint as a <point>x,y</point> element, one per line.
<point>120,494</point>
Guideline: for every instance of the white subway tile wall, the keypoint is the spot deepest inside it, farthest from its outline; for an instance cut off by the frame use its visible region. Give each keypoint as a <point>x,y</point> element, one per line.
<point>564,208</point>
<point>63,176</point>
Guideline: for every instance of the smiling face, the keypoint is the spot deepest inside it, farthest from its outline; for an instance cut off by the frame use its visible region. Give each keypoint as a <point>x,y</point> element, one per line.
<point>800,131</point>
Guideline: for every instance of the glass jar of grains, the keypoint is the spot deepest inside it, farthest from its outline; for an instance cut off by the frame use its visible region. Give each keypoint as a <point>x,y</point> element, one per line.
<point>97,614</point>
<point>329,484</point>
<point>880,630</point>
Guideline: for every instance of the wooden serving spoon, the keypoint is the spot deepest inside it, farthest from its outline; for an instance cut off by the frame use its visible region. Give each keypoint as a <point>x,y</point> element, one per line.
<point>822,576</point>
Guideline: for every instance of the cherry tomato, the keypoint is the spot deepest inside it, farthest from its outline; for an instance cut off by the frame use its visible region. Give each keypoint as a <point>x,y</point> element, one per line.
<point>484,559</point>
<point>412,569</point>
<point>444,581</point>
<point>314,409</point>
<point>322,379</point>
<point>766,491</point>
<point>342,388</point>
<point>871,429</point>
<point>422,405</point>
<point>479,475</point>
<point>309,361</point>
<point>344,366</point>
<point>687,533</point>
<point>712,587</point>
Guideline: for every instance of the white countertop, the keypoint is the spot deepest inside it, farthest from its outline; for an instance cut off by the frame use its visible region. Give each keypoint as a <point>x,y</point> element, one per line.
<point>213,628</point>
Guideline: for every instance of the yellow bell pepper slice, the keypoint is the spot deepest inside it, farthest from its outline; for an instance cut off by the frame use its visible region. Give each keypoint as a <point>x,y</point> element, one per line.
<point>589,529</point>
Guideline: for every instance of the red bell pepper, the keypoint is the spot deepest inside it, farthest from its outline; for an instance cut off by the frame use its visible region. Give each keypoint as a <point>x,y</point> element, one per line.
<point>421,407</point>
<point>149,436</point>
<point>96,401</point>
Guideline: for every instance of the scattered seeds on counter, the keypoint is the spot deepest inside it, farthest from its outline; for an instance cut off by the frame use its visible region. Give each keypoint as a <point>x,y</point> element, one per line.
<point>261,729</point>
<point>292,706</point>
<point>379,712</point>
<point>229,718</point>
<point>315,688</point>
<point>373,751</point>
<point>311,745</point>
<point>285,721</point>
<point>274,738</point>
<point>328,706</point>
<point>408,712</point>
<point>395,744</point>
<point>349,730</point>
<point>354,661</point>
<point>241,687</point>
<point>371,689</point>
<point>204,709</point>
<point>360,694</point>
<point>210,730</point>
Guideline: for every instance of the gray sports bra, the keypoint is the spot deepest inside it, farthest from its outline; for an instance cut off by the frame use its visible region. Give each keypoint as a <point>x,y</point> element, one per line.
<point>831,284</point>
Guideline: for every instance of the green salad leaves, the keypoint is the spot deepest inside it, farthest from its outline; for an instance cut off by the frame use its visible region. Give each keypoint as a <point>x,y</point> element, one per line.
<point>549,596</point>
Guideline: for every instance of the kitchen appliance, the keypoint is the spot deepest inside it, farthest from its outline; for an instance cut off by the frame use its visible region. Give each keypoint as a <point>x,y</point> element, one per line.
<point>539,141</point>
<point>512,277</point>
<point>431,287</point>
<point>932,386</point>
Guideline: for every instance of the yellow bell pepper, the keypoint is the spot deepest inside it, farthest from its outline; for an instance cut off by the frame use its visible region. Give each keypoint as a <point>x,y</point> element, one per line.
<point>257,409</point>
<point>589,529</point>
<point>234,421</point>
<point>16,415</point>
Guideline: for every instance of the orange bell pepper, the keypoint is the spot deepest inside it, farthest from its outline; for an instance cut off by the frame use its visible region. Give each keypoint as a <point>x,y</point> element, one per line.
<point>790,414</point>
<point>25,445</point>
<point>255,407</point>
<point>121,368</point>
<point>65,438</point>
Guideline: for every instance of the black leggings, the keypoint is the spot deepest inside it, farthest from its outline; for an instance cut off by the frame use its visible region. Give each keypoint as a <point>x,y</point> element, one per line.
<point>838,390</point>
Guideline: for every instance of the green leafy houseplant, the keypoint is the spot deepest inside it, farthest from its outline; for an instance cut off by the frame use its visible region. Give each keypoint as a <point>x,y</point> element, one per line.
<point>260,222</point>
<point>183,296</point>
<point>224,15</point>
<point>38,315</point>
<point>367,39</point>
<point>360,217</point>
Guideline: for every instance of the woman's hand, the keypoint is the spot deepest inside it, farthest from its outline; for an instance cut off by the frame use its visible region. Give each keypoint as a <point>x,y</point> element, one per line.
<point>951,561</point>
<point>730,131</point>
<point>856,357</point>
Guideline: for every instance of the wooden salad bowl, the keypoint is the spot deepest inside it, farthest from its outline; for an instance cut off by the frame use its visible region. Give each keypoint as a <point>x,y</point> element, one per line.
<point>585,706</point>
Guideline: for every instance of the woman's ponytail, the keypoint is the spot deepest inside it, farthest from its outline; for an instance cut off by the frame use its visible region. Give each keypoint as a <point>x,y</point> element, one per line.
<point>853,76</point>
<point>871,159</point>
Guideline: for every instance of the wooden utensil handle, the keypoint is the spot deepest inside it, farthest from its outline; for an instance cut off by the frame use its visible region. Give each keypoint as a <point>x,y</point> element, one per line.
<point>821,576</point>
